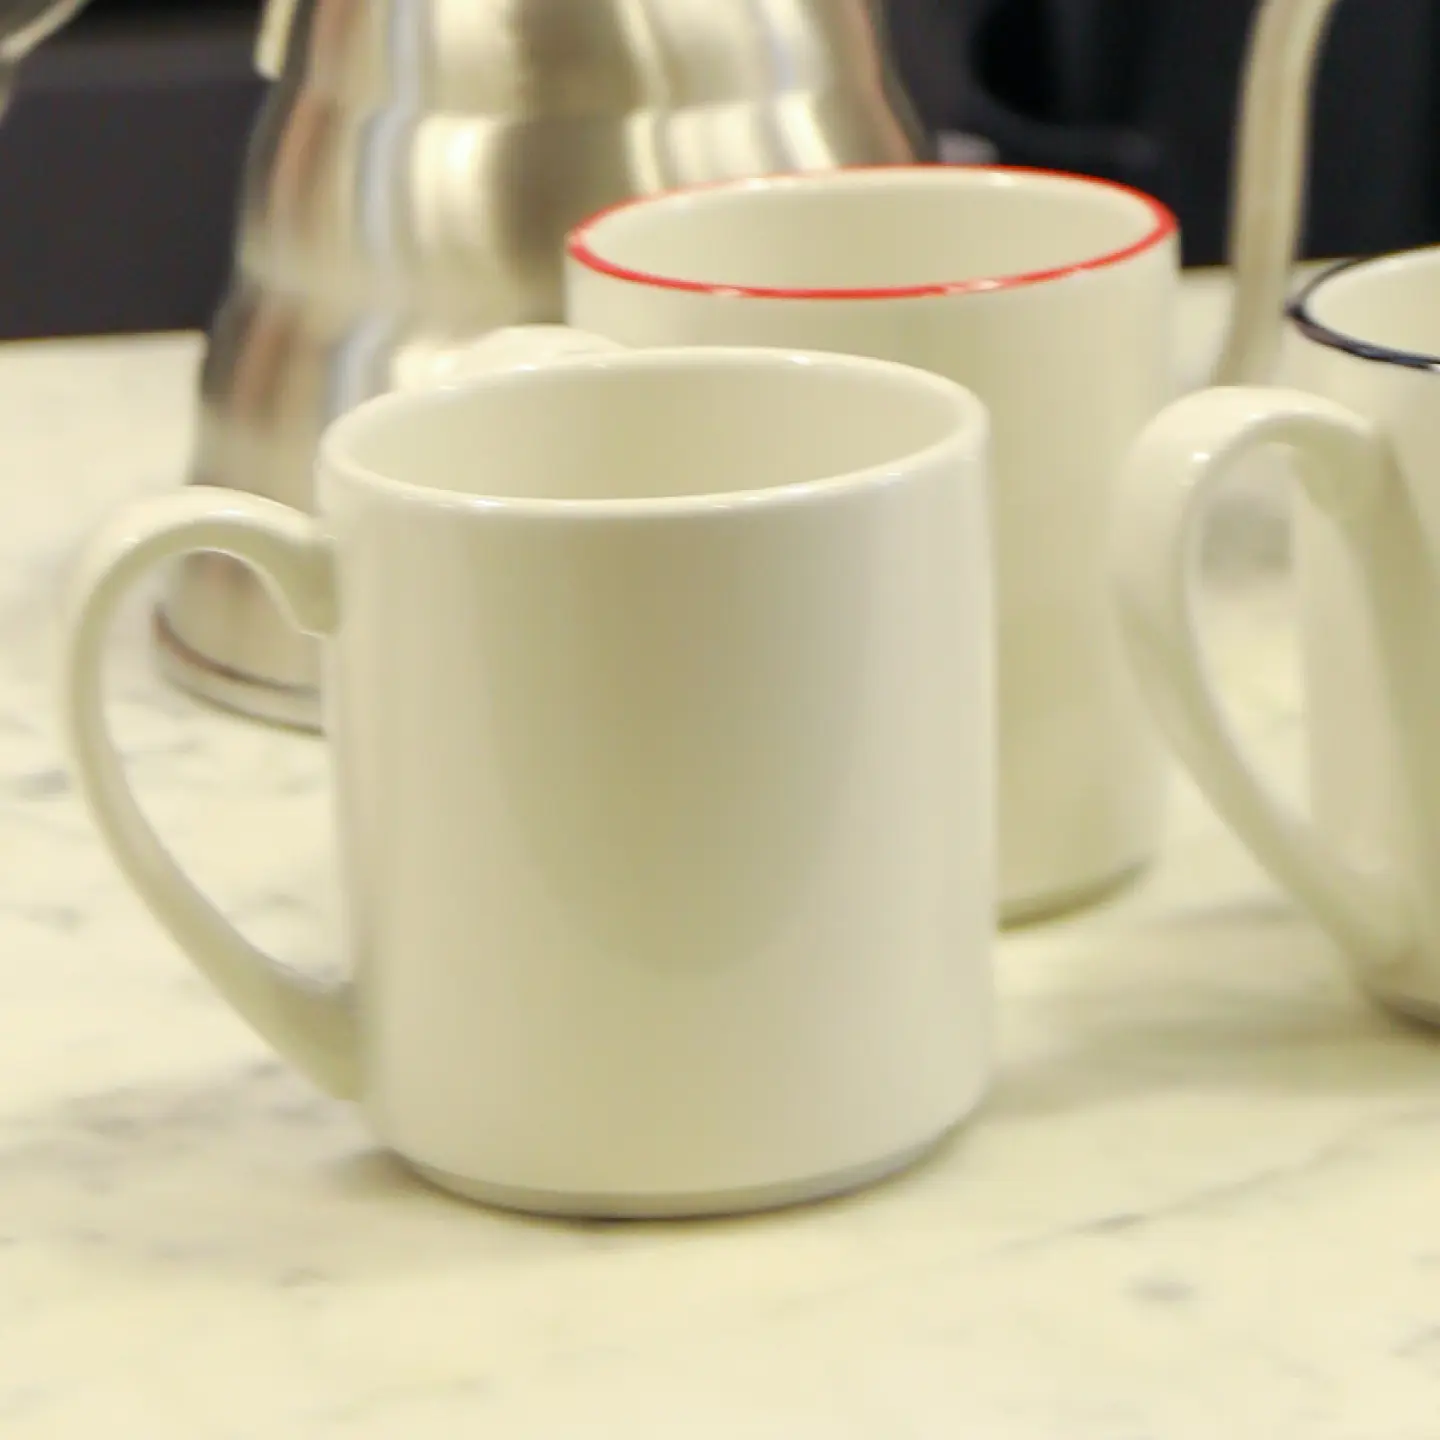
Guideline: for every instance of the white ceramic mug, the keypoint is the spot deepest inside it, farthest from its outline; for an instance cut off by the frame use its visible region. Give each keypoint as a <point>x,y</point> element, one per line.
<point>1052,298</point>
<point>660,693</point>
<point>1364,430</point>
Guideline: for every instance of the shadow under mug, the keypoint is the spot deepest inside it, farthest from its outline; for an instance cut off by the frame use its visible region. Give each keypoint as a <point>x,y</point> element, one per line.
<point>660,700</point>
<point>1363,431</point>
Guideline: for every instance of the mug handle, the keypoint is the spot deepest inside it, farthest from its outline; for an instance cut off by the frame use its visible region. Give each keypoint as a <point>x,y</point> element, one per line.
<point>513,347</point>
<point>310,1024</point>
<point>1170,480</point>
<point>1273,150</point>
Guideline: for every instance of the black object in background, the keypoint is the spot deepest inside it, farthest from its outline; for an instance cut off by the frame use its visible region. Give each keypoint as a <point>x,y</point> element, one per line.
<point>1145,92</point>
<point>120,162</point>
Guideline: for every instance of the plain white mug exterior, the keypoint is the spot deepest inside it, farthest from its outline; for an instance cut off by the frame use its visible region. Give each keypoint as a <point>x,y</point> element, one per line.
<point>660,694</point>
<point>1363,428</point>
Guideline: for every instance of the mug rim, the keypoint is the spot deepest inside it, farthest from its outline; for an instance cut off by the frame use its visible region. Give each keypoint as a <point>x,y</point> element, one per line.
<point>580,246</point>
<point>966,435</point>
<point>1300,312</point>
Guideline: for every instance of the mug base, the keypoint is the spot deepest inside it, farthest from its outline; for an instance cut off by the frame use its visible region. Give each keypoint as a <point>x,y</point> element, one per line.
<point>679,1206</point>
<point>1034,909</point>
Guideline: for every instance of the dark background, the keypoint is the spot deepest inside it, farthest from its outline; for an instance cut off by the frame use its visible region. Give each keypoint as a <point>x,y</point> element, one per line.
<point>1145,91</point>
<point>119,167</point>
<point>119,159</point>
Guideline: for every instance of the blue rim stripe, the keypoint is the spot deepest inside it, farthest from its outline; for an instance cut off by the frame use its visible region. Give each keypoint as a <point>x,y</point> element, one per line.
<point>1299,312</point>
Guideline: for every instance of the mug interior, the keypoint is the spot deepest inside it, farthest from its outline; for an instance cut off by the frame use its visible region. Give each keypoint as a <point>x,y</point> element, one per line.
<point>1385,309</point>
<point>653,425</point>
<point>869,233</point>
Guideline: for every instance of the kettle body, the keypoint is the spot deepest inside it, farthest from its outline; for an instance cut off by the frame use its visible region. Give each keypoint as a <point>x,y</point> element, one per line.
<point>409,186</point>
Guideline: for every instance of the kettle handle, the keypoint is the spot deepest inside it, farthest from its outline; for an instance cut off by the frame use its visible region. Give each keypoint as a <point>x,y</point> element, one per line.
<point>1170,479</point>
<point>1270,180</point>
<point>311,1024</point>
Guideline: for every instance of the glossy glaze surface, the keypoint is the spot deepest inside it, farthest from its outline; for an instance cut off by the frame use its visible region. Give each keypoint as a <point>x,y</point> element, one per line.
<point>661,705</point>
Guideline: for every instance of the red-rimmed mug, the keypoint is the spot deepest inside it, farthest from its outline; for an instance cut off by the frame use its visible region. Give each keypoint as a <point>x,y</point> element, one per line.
<point>1052,298</point>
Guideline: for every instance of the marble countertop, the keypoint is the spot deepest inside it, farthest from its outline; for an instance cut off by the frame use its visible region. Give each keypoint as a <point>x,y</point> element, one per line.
<point>1202,1201</point>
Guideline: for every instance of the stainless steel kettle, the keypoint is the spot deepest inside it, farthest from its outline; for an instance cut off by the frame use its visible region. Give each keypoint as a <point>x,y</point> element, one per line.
<point>409,186</point>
